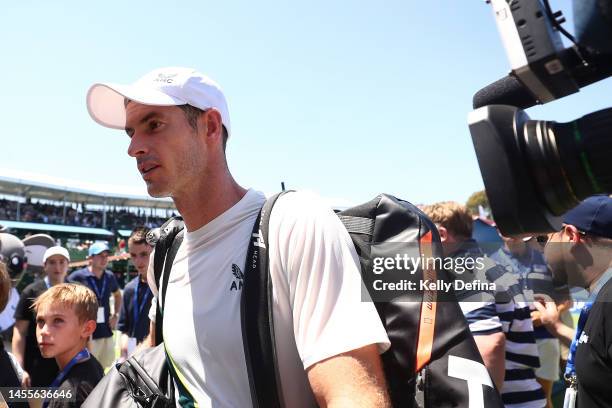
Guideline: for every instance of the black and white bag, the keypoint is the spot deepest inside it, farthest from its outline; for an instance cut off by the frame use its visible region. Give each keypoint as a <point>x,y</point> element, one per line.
<point>433,360</point>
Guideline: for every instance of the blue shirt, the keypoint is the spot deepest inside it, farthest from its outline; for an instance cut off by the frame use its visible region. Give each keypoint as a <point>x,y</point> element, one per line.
<point>134,315</point>
<point>106,284</point>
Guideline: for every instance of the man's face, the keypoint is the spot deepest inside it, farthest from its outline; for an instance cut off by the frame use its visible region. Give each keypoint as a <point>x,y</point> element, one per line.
<point>58,330</point>
<point>169,154</point>
<point>139,254</point>
<point>577,258</point>
<point>100,261</point>
<point>56,267</point>
<point>515,245</point>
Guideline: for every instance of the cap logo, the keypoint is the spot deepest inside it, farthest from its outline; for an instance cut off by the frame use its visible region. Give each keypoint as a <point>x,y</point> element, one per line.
<point>165,78</point>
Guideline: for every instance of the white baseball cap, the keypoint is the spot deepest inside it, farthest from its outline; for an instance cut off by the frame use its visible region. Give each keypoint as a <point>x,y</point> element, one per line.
<point>56,250</point>
<point>171,86</point>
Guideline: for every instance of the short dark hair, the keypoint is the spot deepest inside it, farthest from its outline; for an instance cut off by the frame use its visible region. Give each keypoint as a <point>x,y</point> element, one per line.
<point>192,114</point>
<point>139,236</point>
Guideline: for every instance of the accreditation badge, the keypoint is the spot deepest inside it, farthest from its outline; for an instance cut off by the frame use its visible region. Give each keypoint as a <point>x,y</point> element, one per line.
<point>100,318</point>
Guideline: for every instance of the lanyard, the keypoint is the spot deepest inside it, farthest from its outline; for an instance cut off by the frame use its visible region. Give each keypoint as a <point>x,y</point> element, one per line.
<point>79,358</point>
<point>570,368</point>
<point>139,309</point>
<point>94,286</point>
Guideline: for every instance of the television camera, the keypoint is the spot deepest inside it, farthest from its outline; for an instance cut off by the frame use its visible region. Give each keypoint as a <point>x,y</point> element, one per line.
<point>536,170</point>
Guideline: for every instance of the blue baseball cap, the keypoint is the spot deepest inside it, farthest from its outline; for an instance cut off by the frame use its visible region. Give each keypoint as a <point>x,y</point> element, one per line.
<point>98,248</point>
<point>593,216</point>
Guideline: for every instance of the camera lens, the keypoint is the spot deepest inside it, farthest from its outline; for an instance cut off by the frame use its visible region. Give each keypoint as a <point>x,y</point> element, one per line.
<point>570,161</point>
<point>536,170</point>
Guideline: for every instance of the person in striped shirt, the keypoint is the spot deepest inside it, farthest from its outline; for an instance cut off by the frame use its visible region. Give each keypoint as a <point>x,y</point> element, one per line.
<point>490,312</point>
<point>535,278</point>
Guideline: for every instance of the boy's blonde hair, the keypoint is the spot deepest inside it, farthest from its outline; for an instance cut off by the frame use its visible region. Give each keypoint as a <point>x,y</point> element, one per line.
<point>456,218</point>
<point>78,297</point>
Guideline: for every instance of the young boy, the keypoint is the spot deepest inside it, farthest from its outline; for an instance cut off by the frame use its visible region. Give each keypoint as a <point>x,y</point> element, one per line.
<point>133,317</point>
<point>38,371</point>
<point>65,319</point>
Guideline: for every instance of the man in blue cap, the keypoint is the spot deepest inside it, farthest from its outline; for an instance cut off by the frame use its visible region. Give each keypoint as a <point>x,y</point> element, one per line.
<point>103,283</point>
<point>582,253</point>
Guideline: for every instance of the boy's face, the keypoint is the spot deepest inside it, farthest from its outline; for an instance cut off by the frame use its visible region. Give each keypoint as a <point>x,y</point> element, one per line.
<point>100,260</point>
<point>59,331</point>
<point>140,257</point>
<point>56,267</point>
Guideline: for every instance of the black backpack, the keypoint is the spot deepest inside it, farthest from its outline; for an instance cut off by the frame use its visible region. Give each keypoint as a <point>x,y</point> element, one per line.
<point>433,360</point>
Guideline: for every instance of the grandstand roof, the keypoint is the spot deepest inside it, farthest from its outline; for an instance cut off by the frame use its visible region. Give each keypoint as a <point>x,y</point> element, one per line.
<point>23,184</point>
<point>54,228</point>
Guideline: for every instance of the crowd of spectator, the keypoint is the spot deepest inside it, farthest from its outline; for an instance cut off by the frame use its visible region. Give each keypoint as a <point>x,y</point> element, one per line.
<point>77,215</point>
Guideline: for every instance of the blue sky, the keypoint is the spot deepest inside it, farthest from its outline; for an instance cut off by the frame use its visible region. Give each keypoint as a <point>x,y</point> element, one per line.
<point>347,98</point>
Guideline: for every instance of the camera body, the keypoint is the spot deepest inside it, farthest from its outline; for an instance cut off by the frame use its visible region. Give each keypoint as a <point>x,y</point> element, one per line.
<point>12,253</point>
<point>534,171</point>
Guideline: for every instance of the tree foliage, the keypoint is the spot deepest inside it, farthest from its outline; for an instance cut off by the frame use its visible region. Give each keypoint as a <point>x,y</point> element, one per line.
<point>476,199</point>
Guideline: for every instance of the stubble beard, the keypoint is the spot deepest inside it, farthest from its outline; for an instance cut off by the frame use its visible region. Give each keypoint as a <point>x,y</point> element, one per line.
<point>156,192</point>
<point>186,170</point>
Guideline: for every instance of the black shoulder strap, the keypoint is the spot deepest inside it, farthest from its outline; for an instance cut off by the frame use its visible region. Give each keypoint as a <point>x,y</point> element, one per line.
<point>256,316</point>
<point>166,247</point>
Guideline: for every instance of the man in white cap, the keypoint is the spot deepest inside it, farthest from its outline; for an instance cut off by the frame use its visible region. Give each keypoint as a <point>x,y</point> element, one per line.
<point>39,371</point>
<point>327,340</point>
<point>103,283</point>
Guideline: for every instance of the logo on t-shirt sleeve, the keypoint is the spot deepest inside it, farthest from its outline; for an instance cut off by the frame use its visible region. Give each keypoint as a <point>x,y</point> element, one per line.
<point>238,277</point>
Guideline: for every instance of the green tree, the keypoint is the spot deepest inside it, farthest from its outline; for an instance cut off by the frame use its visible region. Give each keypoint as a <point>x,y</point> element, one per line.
<point>476,199</point>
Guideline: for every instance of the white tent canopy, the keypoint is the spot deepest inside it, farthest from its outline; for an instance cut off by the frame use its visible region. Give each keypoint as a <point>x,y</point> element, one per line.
<point>23,184</point>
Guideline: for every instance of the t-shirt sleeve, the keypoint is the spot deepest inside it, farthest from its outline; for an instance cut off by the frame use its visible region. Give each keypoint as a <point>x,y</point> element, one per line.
<point>152,285</point>
<point>151,274</point>
<point>478,305</point>
<point>23,310</point>
<point>114,285</point>
<point>75,277</point>
<point>481,317</point>
<point>153,309</point>
<point>316,258</point>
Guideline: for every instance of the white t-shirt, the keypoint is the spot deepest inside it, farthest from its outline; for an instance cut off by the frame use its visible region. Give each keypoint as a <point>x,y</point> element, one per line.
<point>318,312</point>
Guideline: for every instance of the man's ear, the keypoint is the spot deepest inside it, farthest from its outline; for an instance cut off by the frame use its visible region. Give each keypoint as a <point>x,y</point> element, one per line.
<point>212,122</point>
<point>88,328</point>
<point>572,233</point>
<point>443,233</point>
